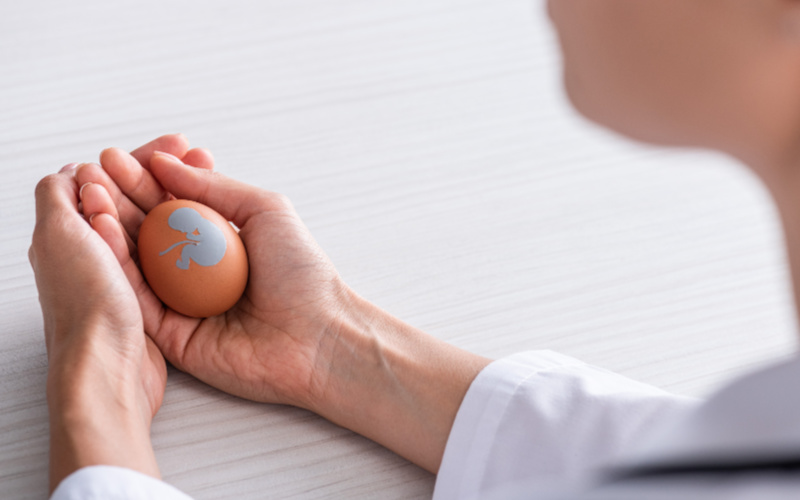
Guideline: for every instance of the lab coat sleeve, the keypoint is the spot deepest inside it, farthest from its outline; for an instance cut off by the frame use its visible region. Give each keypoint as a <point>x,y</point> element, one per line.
<point>103,482</point>
<point>544,417</point>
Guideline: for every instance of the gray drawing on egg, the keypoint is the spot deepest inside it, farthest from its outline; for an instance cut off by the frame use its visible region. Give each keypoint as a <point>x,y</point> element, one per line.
<point>205,243</point>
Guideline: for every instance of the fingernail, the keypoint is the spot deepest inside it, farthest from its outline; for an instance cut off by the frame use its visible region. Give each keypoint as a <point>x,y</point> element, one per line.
<point>68,167</point>
<point>80,193</point>
<point>169,156</point>
<point>81,165</point>
<point>91,218</point>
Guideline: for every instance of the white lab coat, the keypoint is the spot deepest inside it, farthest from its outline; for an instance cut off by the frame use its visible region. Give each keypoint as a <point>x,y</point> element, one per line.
<point>546,426</point>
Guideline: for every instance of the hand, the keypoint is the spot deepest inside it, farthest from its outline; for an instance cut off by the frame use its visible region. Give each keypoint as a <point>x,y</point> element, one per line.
<point>299,335</point>
<point>293,295</point>
<point>106,378</point>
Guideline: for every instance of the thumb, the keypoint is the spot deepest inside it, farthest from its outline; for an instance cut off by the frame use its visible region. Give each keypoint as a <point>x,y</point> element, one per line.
<point>234,200</point>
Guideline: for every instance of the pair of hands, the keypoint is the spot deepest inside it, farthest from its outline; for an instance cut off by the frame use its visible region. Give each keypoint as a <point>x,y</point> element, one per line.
<point>106,331</point>
<point>298,336</point>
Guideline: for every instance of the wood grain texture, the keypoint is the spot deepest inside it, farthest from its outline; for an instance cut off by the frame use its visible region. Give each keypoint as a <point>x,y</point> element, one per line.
<point>429,147</point>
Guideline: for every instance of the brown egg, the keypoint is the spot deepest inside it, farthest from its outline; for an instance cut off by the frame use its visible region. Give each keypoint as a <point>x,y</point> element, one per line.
<point>192,258</point>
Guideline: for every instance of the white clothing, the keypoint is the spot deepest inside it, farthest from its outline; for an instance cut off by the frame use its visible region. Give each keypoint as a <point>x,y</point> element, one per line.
<point>546,418</point>
<point>104,482</point>
<point>540,425</point>
<point>546,426</point>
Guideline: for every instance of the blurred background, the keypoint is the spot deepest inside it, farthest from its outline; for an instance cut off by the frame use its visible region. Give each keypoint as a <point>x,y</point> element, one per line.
<point>429,147</point>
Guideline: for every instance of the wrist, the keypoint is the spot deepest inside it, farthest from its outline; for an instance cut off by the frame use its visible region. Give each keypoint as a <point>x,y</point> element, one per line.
<point>97,408</point>
<point>392,382</point>
<point>81,439</point>
<point>86,372</point>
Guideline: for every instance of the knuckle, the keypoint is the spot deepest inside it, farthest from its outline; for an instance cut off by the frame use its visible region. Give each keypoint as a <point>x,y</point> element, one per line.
<point>38,245</point>
<point>278,201</point>
<point>39,239</point>
<point>46,186</point>
<point>90,172</point>
<point>32,256</point>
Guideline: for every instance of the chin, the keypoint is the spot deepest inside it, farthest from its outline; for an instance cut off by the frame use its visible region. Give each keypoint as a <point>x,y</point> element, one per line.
<point>622,116</point>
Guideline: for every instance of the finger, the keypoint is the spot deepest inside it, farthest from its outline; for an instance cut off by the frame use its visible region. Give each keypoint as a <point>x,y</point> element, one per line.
<point>130,215</point>
<point>55,193</point>
<point>56,213</point>
<point>199,158</point>
<point>68,167</point>
<point>96,200</point>
<point>235,200</point>
<point>109,229</point>
<point>57,221</point>
<point>152,308</point>
<point>174,144</point>
<point>132,180</point>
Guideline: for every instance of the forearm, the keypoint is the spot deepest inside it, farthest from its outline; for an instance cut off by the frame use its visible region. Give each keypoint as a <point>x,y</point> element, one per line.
<point>395,384</point>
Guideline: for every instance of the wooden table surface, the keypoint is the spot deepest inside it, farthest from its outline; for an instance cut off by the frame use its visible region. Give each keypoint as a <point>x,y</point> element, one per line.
<point>428,145</point>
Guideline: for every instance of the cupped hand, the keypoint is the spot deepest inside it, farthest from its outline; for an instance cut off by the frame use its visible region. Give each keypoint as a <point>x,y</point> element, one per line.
<point>270,345</point>
<point>91,315</point>
<point>106,377</point>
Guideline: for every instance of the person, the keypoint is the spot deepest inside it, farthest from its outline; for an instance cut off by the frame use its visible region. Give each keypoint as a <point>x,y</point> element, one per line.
<point>721,74</point>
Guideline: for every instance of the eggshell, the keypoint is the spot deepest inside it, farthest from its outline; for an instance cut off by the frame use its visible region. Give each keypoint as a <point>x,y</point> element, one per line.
<point>192,258</point>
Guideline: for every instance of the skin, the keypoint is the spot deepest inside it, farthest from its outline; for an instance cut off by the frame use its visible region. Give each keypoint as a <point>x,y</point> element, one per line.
<point>720,74</point>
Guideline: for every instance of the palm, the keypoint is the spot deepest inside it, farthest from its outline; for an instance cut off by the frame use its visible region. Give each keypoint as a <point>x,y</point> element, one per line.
<point>262,349</point>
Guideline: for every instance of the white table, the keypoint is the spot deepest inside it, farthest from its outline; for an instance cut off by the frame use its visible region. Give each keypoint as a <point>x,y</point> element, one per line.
<point>429,147</point>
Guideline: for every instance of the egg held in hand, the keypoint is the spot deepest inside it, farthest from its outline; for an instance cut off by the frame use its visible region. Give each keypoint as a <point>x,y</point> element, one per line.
<point>192,258</point>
